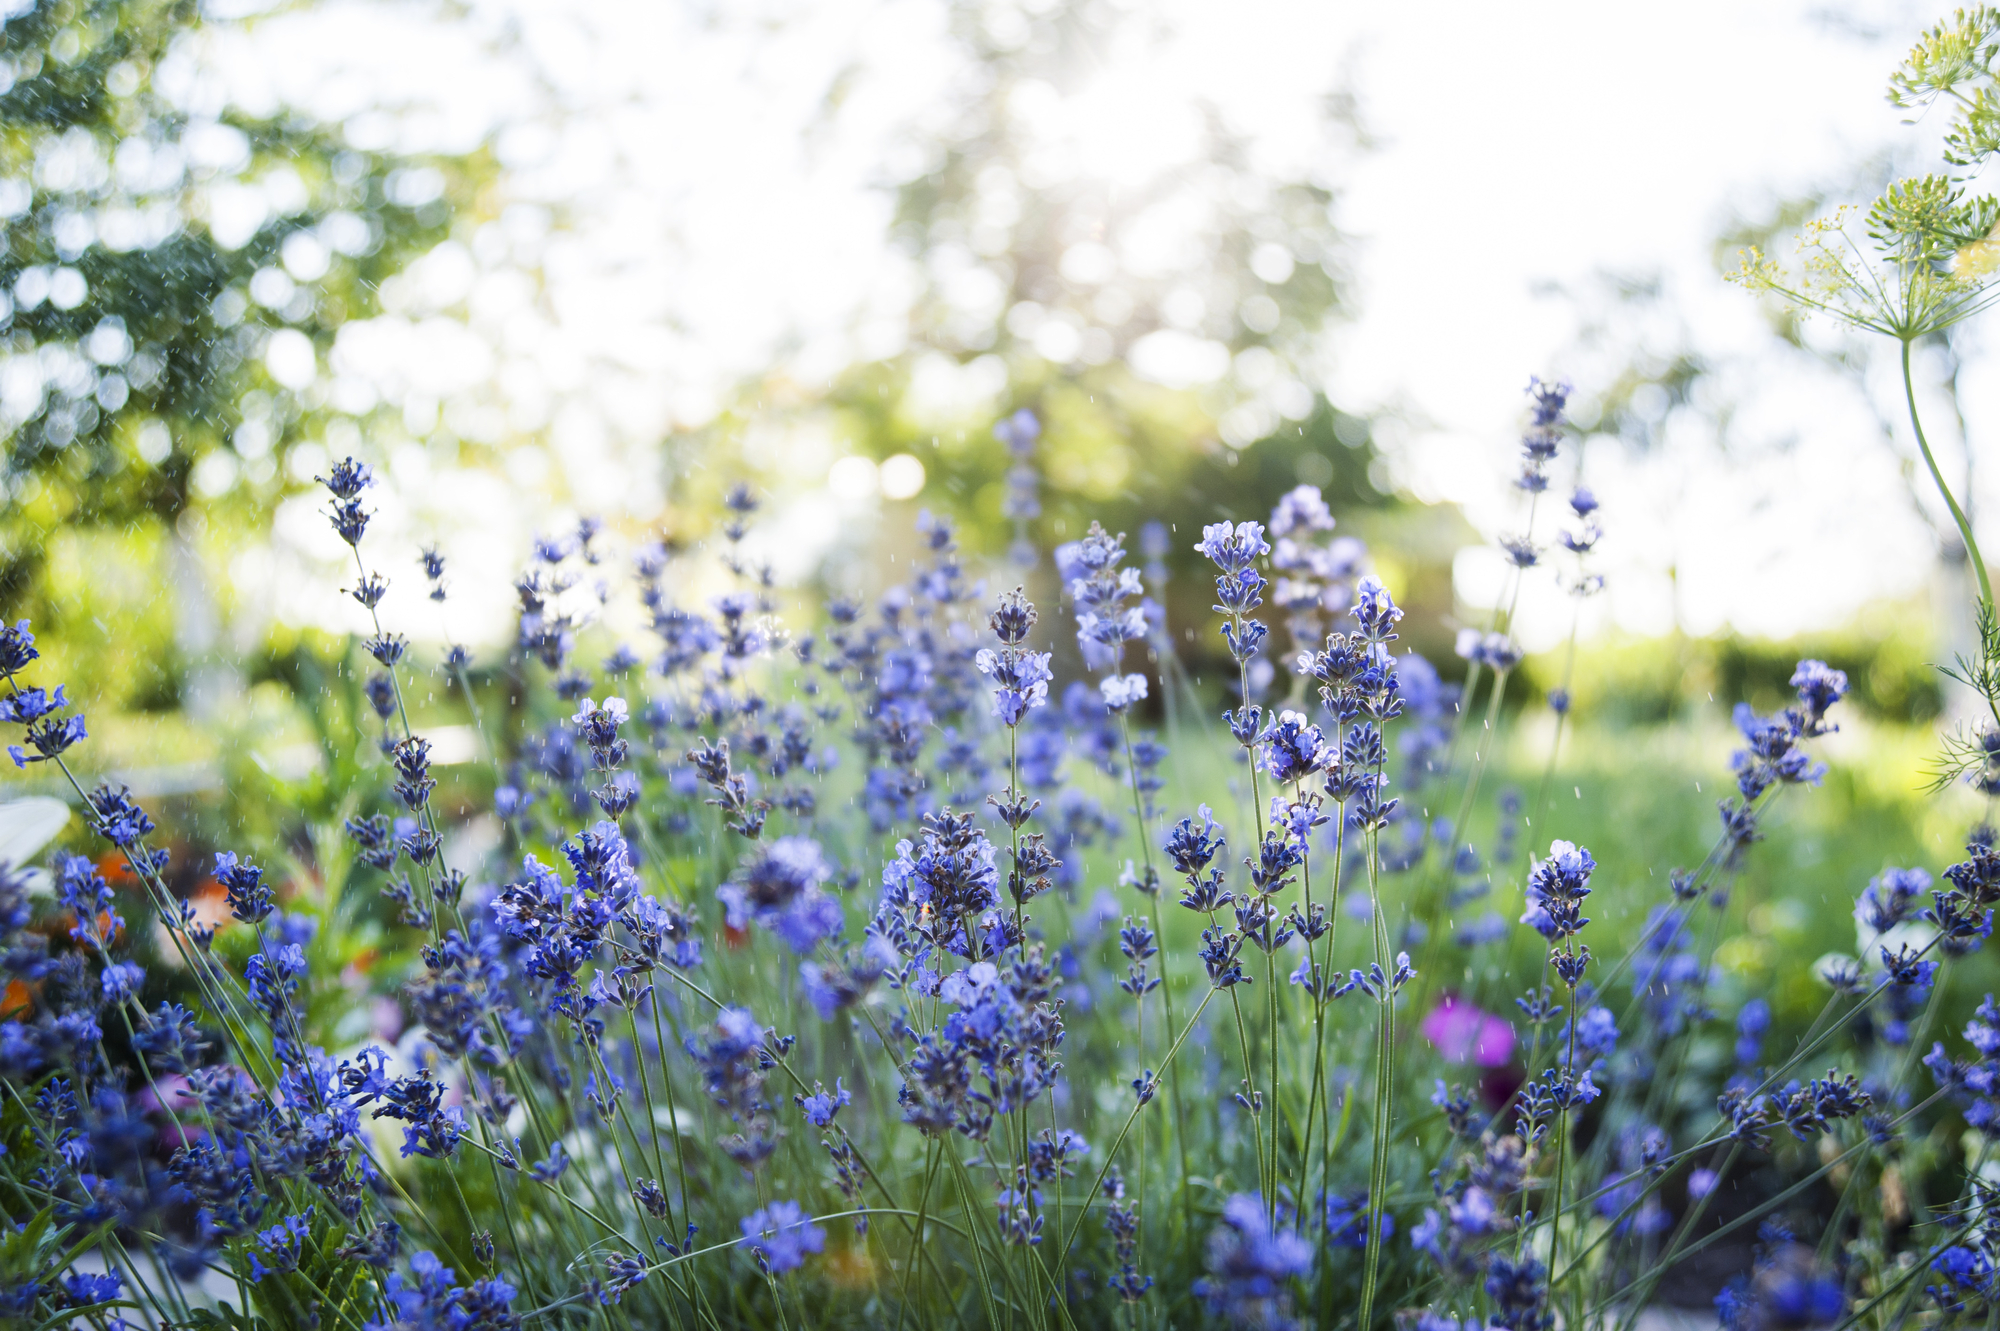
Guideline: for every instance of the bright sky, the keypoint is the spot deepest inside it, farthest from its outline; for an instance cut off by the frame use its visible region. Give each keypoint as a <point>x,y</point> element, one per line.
<point>696,212</point>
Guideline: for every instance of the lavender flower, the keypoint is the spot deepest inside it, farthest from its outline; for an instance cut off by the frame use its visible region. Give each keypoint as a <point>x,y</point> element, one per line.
<point>1520,1294</point>
<point>1496,651</point>
<point>1021,678</point>
<point>249,896</point>
<point>17,647</point>
<point>50,736</point>
<point>348,480</point>
<point>1316,574</point>
<point>1890,898</point>
<point>1105,622</point>
<point>436,1300</point>
<point>1020,432</point>
<point>944,891</point>
<point>1556,889</point>
<point>780,1235</point>
<point>820,1106</point>
<point>1251,1267</point>
<point>1293,748</point>
<point>1233,549</point>
<point>1544,435</point>
<point>778,887</point>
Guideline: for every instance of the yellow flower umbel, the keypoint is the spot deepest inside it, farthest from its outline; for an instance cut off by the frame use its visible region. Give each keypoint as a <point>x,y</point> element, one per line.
<point>1979,260</point>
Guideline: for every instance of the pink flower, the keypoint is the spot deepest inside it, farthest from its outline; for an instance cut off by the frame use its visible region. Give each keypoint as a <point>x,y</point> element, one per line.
<point>172,1094</point>
<point>1460,1031</point>
<point>173,1099</point>
<point>385,1019</point>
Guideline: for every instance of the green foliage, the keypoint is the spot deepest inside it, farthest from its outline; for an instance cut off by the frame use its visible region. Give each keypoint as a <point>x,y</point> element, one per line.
<point>1117,450</point>
<point>147,306</point>
<point>25,1249</point>
<point>1888,657</point>
<point>1048,283</point>
<point>984,215</point>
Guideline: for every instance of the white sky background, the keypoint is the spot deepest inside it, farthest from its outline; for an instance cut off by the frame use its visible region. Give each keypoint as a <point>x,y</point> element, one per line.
<point>696,214</point>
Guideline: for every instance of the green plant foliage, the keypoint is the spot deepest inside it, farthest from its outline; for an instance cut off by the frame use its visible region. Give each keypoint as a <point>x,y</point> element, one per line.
<point>157,251</point>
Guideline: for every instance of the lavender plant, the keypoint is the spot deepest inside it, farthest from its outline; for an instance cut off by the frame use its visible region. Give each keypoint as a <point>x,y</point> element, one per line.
<point>815,975</point>
<point>662,1066</point>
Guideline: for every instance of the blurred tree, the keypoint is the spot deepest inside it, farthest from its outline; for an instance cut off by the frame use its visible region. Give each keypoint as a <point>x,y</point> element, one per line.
<point>1130,269</point>
<point>1039,228</point>
<point>1655,382</point>
<point>1874,258</point>
<point>174,273</point>
<point>1100,269</point>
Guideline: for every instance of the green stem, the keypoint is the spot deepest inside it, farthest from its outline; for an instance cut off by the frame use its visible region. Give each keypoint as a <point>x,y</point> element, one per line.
<point>1319,1031</point>
<point>923,1209</point>
<point>1562,1141</point>
<point>1268,1185</point>
<point>1097,1184</point>
<point>1152,894</point>
<point>1385,1070</point>
<point>1957,514</point>
<point>1677,1246</point>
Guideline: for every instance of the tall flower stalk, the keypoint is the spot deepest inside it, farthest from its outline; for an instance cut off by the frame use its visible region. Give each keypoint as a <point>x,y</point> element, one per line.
<point>1110,613</point>
<point>1363,753</point>
<point>1236,551</point>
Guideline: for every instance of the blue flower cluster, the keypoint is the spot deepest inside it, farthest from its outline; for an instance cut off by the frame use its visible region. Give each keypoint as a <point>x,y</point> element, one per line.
<point>1251,1267</point>
<point>1103,592</point>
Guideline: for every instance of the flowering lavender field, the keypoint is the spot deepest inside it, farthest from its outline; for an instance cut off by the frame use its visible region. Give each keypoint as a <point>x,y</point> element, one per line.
<point>798,990</point>
<point>955,960</point>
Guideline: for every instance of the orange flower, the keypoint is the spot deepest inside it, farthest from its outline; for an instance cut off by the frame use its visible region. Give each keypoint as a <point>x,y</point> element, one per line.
<point>211,905</point>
